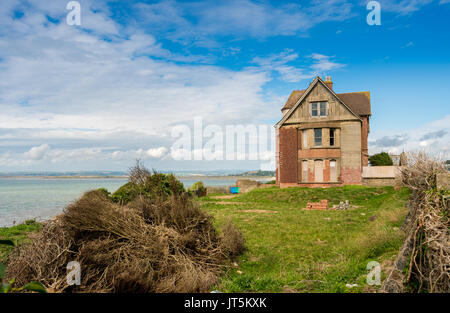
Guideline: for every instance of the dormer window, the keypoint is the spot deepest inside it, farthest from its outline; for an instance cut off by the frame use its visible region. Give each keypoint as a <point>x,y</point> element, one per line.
<point>318,109</point>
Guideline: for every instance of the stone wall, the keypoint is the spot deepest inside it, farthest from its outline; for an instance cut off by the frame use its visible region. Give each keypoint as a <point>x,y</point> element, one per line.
<point>245,185</point>
<point>351,152</point>
<point>380,175</point>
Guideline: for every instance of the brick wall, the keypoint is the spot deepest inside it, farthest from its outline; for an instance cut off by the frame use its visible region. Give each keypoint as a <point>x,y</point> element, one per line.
<point>322,205</point>
<point>351,175</point>
<point>288,155</point>
<point>319,153</point>
<point>326,171</point>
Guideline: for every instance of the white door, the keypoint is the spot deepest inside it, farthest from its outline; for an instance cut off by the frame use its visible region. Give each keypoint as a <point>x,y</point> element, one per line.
<point>333,171</point>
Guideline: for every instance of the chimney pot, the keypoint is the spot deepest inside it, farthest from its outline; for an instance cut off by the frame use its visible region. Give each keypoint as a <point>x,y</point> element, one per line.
<point>328,82</point>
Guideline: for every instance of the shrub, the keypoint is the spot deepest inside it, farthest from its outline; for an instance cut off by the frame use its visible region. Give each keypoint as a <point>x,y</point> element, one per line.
<point>163,185</point>
<point>232,240</point>
<point>143,183</point>
<point>30,221</point>
<point>380,159</point>
<point>198,189</point>
<point>104,191</point>
<point>125,193</point>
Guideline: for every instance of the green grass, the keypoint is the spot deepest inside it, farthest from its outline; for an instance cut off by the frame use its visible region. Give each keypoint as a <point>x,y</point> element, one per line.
<point>294,250</point>
<point>18,234</point>
<point>291,249</point>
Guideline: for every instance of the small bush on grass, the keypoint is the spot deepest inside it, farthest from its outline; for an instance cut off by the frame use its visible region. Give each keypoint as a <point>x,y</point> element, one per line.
<point>143,183</point>
<point>198,189</point>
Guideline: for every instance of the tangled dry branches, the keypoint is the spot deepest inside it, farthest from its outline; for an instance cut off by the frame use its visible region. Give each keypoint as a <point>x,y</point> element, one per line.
<point>427,248</point>
<point>157,244</point>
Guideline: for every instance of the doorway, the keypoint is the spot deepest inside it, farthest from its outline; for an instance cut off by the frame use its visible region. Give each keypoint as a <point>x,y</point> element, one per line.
<point>318,171</point>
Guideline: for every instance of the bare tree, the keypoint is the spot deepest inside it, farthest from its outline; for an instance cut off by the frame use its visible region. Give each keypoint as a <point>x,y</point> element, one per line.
<point>138,173</point>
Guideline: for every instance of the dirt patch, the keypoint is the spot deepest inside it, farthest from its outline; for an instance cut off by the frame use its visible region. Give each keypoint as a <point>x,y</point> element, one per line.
<point>223,197</point>
<point>229,202</point>
<point>258,211</point>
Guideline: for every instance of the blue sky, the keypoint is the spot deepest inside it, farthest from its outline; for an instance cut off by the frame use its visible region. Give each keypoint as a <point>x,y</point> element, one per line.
<point>99,95</point>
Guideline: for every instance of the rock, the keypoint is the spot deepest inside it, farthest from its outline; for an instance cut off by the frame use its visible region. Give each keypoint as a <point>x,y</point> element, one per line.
<point>351,285</point>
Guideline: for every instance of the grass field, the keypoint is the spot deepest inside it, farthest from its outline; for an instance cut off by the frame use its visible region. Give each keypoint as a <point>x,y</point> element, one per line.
<point>294,250</point>
<point>18,234</point>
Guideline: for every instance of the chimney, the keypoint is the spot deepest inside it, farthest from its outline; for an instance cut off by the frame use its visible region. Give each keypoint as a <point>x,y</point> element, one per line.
<point>328,82</point>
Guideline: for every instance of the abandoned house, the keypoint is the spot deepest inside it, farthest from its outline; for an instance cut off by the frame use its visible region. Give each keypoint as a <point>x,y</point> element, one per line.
<point>322,137</point>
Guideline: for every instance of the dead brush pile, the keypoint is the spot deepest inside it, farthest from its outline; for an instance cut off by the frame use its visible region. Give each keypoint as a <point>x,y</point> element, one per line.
<point>160,243</point>
<point>425,255</point>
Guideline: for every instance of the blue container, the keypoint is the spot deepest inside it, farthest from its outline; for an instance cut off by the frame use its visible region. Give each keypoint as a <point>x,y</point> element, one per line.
<point>234,189</point>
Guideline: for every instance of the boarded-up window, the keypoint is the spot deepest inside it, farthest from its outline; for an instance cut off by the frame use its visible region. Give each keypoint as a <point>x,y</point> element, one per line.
<point>305,171</point>
<point>318,171</point>
<point>333,170</point>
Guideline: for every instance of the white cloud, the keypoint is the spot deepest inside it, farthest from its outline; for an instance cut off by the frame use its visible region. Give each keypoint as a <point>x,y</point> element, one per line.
<point>238,18</point>
<point>323,63</point>
<point>72,90</point>
<point>37,153</point>
<point>433,138</point>
<point>403,7</point>
<point>157,152</point>
<point>278,63</point>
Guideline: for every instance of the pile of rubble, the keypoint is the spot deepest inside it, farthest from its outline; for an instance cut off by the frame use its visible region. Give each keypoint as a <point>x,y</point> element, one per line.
<point>341,206</point>
<point>323,205</point>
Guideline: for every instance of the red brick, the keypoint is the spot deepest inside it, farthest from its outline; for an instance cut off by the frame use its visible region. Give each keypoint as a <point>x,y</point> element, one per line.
<point>319,153</point>
<point>326,171</point>
<point>351,175</point>
<point>288,155</point>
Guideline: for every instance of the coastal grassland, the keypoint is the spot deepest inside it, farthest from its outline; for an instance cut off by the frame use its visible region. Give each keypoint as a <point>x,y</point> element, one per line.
<point>290,249</point>
<point>18,234</point>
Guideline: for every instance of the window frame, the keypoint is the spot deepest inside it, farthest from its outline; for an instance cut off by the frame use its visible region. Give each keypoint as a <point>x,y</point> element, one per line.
<point>317,107</point>
<point>332,137</point>
<point>315,137</point>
